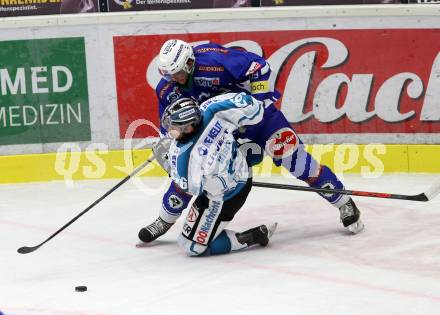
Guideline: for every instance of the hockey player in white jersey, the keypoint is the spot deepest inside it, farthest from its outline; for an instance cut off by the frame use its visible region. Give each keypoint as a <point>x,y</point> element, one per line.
<point>206,162</point>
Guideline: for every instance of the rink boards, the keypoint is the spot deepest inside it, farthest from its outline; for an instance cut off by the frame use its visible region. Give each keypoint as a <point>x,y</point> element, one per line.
<point>369,161</point>
<point>78,100</point>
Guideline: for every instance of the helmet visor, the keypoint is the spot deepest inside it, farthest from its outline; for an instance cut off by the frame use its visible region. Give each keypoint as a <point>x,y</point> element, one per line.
<point>174,129</point>
<point>181,120</point>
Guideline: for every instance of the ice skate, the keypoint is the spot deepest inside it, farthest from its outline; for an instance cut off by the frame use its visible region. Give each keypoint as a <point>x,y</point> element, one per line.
<point>257,235</point>
<point>151,232</point>
<point>350,217</point>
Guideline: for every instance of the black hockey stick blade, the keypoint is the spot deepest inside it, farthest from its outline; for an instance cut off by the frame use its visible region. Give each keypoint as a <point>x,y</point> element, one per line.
<point>433,191</point>
<point>27,250</point>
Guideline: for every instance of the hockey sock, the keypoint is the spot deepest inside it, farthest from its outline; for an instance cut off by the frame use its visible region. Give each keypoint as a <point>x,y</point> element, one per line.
<point>174,202</point>
<point>327,179</point>
<point>225,243</point>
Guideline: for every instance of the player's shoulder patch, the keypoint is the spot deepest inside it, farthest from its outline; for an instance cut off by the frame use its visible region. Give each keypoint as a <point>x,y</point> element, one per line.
<point>169,92</point>
<point>174,95</point>
<point>254,67</point>
<point>163,87</point>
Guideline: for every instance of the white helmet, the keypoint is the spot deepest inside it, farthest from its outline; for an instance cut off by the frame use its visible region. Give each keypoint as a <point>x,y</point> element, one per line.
<point>174,56</point>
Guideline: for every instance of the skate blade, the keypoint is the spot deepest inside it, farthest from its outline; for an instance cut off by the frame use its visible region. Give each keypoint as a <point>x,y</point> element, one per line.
<point>356,227</point>
<point>271,229</point>
<point>142,245</point>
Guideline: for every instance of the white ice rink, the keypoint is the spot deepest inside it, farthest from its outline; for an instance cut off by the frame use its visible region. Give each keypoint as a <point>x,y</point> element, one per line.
<point>311,265</point>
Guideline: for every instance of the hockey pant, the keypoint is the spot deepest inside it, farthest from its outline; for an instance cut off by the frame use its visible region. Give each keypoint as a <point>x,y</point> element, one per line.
<point>204,228</point>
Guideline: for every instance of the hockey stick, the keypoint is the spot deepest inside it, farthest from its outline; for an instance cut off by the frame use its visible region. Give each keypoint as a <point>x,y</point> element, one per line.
<point>433,191</point>
<point>26,250</point>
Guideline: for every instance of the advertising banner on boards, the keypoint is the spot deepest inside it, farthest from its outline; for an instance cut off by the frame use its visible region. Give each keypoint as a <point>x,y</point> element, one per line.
<point>145,5</point>
<point>10,8</point>
<point>324,2</point>
<point>43,91</point>
<point>333,81</point>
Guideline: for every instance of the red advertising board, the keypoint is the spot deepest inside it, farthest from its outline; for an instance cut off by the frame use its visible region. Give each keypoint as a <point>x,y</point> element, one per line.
<point>332,81</point>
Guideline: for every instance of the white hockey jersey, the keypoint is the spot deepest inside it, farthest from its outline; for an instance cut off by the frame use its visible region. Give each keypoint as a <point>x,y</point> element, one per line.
<point>210,162</point>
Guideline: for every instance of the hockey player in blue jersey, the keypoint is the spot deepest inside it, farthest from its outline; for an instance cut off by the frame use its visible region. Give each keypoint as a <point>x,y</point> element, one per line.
<point>208,70</point>
<point>205,162</point>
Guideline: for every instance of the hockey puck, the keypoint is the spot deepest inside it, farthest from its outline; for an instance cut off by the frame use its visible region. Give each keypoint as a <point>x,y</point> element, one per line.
<point>81,288</point>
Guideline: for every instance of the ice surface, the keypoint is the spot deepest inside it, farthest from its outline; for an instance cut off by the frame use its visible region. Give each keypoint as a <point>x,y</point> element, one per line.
<point>311,266</point>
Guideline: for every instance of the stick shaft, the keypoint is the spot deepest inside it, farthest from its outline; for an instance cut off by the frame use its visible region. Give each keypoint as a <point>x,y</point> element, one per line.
<point>419,197</point>
<point>119,184</point>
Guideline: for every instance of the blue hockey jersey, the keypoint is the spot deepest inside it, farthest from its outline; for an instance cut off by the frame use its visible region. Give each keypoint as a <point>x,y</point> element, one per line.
<point>219,70</point>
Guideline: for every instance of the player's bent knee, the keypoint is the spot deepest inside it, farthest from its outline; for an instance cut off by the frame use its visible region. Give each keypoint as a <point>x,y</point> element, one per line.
<point>190,247</point>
